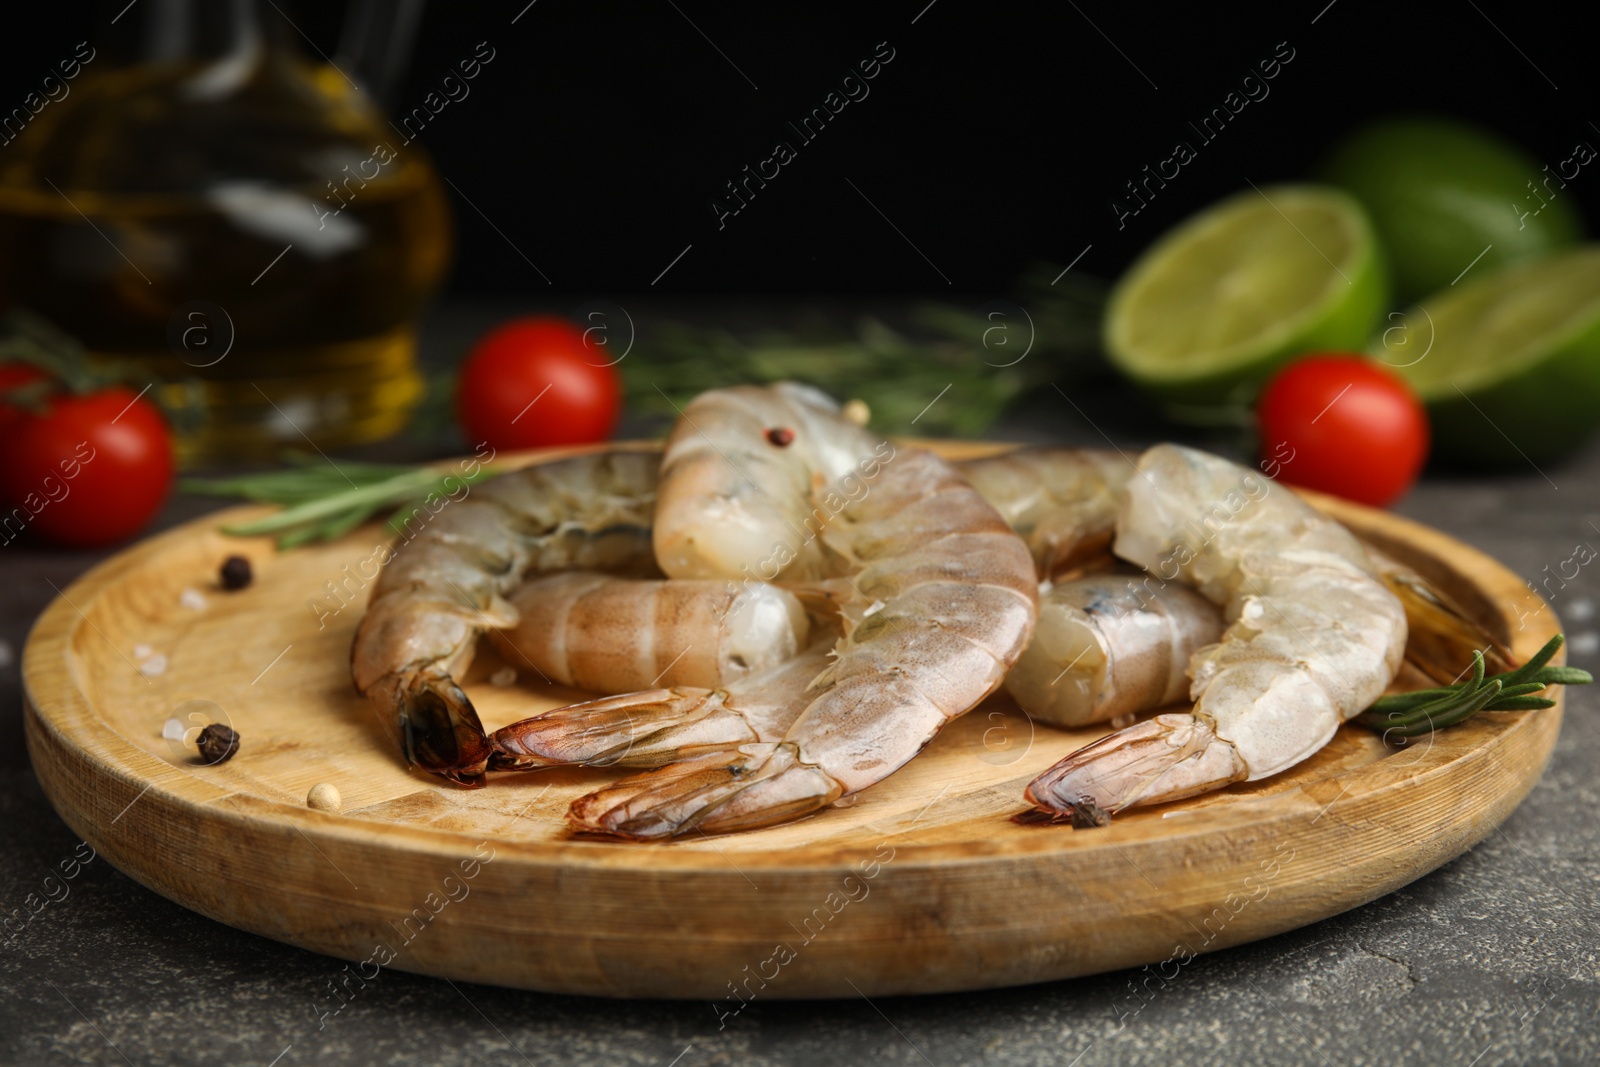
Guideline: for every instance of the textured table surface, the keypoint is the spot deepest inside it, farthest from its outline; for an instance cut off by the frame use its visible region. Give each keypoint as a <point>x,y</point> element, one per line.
<point>1494,958</point>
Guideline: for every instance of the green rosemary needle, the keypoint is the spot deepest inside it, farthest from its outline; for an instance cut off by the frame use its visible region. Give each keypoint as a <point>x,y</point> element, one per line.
<point>1426,710</point>
<point>323,504</point>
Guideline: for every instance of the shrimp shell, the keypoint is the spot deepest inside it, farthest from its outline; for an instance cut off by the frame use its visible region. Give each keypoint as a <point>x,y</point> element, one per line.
<point>608,634</point>
<point>1061,501</point>
<point>1105,649</point>
<point>740,472</point>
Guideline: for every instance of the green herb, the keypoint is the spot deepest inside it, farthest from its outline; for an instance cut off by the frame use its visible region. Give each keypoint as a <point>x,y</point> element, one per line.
<point>323,503</point>
<point>951,371</point>
<point>27,338</point>
<point>1425,710</point>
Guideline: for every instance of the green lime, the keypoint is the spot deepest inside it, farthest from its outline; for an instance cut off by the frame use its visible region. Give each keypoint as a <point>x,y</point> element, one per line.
<point>1508,364</point>
<point>1216,305</point>
<point>1442,193</point>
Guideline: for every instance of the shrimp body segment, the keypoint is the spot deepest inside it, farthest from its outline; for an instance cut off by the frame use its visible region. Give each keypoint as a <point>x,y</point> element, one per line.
<point>1062,501</point>
<point>1314,636</point>
<point>607,634</point>
<point>937,598</point>
<point>448,582</point>
<point>741,473</point>
<point>1105,649</point>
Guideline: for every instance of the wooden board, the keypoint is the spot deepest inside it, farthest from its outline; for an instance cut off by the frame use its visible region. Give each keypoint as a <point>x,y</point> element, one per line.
<point>923,885</point>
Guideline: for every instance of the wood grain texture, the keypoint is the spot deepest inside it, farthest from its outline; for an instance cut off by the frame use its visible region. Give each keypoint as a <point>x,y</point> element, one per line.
<point>923,885</point>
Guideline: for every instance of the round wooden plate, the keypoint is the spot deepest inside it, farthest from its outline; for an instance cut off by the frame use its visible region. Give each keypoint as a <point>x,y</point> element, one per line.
<point>925,884</point>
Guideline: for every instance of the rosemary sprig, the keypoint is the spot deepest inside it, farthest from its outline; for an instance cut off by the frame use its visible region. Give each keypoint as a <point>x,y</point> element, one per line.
<point>1425,710</point>
<point>983,360</point>
<point>28,338</point>
<point>323,504</point>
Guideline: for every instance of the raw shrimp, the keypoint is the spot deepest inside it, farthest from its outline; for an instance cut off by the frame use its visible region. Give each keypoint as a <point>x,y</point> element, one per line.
<point>608,634</point>
<point>1109,646</point>
<point>1104,650</point>
<point>613,635</point>
<point>1064,502</point>
<point>448,583</point>
<point>936,595</point>
<point>1106,646</point>
<point>1315,636</point>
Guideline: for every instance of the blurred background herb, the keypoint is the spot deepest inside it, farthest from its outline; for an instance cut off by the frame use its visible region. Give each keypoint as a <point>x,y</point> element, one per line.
<point>987,357</point>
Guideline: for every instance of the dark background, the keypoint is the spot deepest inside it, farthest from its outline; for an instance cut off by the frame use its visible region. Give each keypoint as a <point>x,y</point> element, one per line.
<point>997,137</point>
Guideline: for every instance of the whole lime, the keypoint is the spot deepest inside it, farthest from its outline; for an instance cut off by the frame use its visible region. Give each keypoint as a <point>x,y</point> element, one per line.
<point>1447,195</point>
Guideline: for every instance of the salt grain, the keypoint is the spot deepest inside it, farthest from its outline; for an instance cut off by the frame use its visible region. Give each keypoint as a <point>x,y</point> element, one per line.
<point>142,651</point>
<point>153,666</point>
<point>173,730</point>
<point>503,677</point>
<point>1581,610</point>
<point>1586,643</point>
<point>192,599</point>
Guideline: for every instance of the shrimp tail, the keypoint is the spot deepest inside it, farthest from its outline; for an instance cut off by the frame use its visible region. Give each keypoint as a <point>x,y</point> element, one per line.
<point>1169,757</point>
<point>722,791</point>
<point>438,726</point>
<point>645,729</point>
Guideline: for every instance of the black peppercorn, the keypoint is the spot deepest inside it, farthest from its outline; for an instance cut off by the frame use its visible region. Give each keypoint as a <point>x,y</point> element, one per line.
<point>217,743</point>
<point>235,573</point>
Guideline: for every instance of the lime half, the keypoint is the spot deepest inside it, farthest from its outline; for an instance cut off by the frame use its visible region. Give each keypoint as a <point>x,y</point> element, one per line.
<point>1445,195</point>
<point>1508,365</point>
<point>1215,306</point>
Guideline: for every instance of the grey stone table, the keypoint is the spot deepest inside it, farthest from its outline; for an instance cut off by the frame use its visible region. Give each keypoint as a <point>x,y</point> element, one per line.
<point>1494,958</point>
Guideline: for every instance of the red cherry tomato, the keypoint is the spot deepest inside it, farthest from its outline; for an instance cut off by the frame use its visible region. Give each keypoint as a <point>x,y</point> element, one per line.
<point>534,382</point>
<point>91,470</point>
<point>1341,424</point>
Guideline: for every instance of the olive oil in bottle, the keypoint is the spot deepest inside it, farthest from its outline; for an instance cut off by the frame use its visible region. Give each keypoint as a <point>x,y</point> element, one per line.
<point>234,223</point>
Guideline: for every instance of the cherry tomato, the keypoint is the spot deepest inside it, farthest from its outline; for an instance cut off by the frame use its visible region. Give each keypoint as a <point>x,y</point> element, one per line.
<point>1341,424</point>
<point>90,470</point>
<point>535,382</point>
